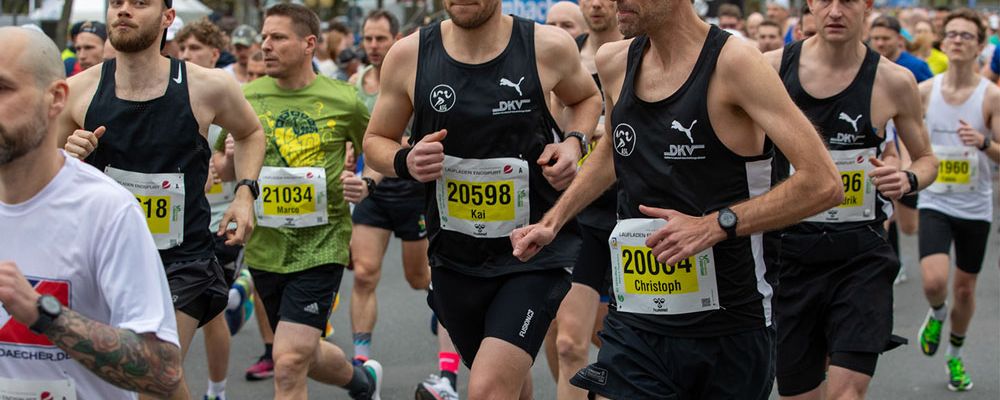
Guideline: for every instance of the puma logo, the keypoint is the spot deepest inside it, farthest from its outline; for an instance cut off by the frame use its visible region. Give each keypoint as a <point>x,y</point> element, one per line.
<point>516,86</point>
<point>179,78</point>
<point>854,122</point>
<point>687,131</point>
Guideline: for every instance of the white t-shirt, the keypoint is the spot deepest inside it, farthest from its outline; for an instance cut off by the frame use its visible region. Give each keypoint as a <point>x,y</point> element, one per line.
<point>82,239</point>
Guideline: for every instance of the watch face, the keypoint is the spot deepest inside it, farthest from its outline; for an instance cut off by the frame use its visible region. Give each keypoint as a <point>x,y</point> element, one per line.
<point>727,219</point>
<point>50,304</point>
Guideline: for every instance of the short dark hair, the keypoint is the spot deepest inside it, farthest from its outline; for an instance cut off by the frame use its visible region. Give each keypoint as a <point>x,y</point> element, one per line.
<point>378,14</point>
<point>339,27</point>
<point>204,31</point>
<point>771,24</point>
<point>888,22</point>
<point>305,22</point>
<point>971,16</point>
<point>730,10</point>
<point>805,9</point>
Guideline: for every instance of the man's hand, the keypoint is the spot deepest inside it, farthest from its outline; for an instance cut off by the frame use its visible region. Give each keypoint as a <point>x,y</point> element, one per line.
<point>16,294</point>
<point>426,160</point>
<point>559,161</point>
<point>81,143</point>
<point>355,188</point>
<point>683,236</point>
<point>213,177</point>
<point>230,149</point>
<point>529,240</point>
<point>241,213</point>
<point>969,135</point>
<point>889,180</point>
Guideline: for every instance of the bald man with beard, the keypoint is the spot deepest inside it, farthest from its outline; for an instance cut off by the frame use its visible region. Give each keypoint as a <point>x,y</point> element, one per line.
<point>567,15</point>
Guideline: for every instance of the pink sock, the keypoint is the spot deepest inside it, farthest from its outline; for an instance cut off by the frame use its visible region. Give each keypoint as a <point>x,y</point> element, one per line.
<point>448,362</point>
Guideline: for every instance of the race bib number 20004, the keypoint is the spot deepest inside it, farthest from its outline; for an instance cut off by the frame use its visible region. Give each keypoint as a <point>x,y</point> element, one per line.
<point>643,285</point>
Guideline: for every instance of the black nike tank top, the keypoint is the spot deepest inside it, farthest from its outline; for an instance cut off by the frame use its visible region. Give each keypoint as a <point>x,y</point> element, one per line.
<point>157,136</point>
<point>495,109</point>
<point>668,155</point>
<point>843,121</point>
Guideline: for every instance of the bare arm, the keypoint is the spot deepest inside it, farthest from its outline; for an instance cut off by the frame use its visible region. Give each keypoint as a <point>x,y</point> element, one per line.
<point>576,90</point>
<point>815,186</point>
<point>393,107</point>
<point>993,105</point>
<point>912,132</point>
<point>137,362</point>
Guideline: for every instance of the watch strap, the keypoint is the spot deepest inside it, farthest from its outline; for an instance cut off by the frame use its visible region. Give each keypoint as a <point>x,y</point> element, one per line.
<point>252,184</point>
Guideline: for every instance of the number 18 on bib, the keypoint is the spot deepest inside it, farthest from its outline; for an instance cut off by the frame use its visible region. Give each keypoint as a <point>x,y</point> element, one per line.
<point>643,285</point>
<point>483,198</point>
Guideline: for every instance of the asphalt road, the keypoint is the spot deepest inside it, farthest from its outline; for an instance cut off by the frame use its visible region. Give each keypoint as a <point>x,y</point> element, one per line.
<point>403,343</point>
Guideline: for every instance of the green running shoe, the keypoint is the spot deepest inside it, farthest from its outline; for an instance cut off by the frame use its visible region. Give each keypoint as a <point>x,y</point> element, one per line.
<point>958,380</point>
<point>930,335</point>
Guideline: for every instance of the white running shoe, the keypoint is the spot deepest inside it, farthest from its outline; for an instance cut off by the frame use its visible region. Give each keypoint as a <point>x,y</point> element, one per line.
<point>436,388</point>
<point>376,370</point>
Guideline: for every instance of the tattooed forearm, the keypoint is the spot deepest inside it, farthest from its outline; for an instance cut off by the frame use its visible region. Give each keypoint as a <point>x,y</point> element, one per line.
<point>140,363</point>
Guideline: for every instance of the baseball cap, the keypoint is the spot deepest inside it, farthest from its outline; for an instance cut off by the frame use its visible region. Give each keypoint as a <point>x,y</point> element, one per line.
<point>92,27</point>
<point>244,35</point>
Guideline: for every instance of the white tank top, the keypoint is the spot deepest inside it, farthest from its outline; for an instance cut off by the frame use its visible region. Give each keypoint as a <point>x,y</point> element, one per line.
<point>942,124</point>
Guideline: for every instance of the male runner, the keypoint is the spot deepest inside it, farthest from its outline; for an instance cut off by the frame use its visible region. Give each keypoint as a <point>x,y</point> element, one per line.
<point>769,36</point>
<point>482,79</point>
<point>567,16</point>
<point>963,117</point>
<point>245,43</point>
<point>887,38</point>
<point>89,44</point>
<point>86,309</point>
<point>834,301</point>
<point>394,206</point>
<point>297,256</point>
<point>581,311</point>
<point>155,145</point>
<point>201,43</point>
<point>687,110</point>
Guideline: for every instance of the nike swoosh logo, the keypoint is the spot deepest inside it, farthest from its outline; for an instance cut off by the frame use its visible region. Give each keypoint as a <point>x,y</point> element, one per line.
<point>179,78</point>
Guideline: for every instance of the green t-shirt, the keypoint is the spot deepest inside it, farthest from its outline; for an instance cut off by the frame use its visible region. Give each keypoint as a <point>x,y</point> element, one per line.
<point>323,117</point>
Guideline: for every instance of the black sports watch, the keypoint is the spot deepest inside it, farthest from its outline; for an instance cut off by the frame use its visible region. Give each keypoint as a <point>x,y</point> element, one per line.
<point>727,221</point>
<point>914,185</point>
<point>581,137</point>
<point>48,310</point>
<point>252,184</point>
<point>986,143</point>
<point>371,184</point>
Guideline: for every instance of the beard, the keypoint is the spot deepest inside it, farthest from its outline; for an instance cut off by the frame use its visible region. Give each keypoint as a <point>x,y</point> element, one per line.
<point>477,19</point>
<point>22,140</point>
<point>133,42</point>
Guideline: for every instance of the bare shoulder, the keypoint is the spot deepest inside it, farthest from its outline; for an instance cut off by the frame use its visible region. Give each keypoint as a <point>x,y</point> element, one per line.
<point>925,87</point>
<point>553,45</point>
<point>992,97</point>
<point>612,57</point>
<point>400,65</point>
<point>214,77</point>
<point>895,77</point>
<point>82,87</point>
<point>406,49</point>
<point>773,57</point>
<point>736,55</point>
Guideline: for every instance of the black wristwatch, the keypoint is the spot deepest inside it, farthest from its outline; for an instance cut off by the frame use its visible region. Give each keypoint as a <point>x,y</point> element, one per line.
<point>48,310</point>
<point>581,137</point>
<point>914,185</point>
<point>727,221</point>
<point>986,143</point>
<point>252,184</point>
<point>371,184</point>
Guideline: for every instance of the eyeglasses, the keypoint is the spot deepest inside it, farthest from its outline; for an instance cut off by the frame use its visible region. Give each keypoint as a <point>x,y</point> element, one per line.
<point>966,36</point>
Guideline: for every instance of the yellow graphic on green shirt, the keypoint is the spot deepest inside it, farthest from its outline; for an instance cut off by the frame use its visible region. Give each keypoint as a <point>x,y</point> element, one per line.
<point>298,139</point>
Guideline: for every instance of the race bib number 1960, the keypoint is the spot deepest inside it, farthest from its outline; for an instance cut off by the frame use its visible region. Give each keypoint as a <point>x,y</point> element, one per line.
<point>292,197</point>
<point>643,285</point>
<point>161,197</point>
<point>957,170</point>
<point>483,198</point>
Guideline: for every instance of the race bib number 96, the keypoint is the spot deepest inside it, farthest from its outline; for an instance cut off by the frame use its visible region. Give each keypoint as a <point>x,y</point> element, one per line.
<point>859,192</point>
<point>643,285</point>
<point>485,198</point>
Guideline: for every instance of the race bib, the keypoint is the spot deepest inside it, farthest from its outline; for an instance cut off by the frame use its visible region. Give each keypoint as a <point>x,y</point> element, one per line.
<point>62,389</point>
<point>221,193</point>
<point>859,192</point>
<point>161,197</point>
<point>643,285</point>
<point>483,198</point>
<point>957,169</point>
<point>292,197</point>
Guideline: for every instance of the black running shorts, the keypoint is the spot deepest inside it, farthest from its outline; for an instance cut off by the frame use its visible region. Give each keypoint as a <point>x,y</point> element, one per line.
<point>634,364</point>
<point>593,266</point>
<point>939,230</point>
<point>303,297</point>
<point>404,218</point>
<point>198,288</point>
<point>516,308</point>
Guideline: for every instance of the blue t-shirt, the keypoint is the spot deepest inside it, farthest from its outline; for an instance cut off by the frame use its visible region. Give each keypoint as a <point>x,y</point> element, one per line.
<point>995,62</point>
<point>919,67</point>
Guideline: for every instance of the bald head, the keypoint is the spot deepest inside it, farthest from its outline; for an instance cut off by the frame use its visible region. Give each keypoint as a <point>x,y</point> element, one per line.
<point>567,15</point>
<point>32,51</point>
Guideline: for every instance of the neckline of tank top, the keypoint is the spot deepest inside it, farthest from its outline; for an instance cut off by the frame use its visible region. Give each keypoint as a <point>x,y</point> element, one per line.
<point>865,63</point>
<point>713,31</point>
<point>514,32</point>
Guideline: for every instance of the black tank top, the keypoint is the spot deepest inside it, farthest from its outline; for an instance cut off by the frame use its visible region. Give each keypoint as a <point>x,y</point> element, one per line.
<point>668,155</point>
<point>843,121</point>
<point>486,119</point>
<point>601,213</point>
<point>157,136</point>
